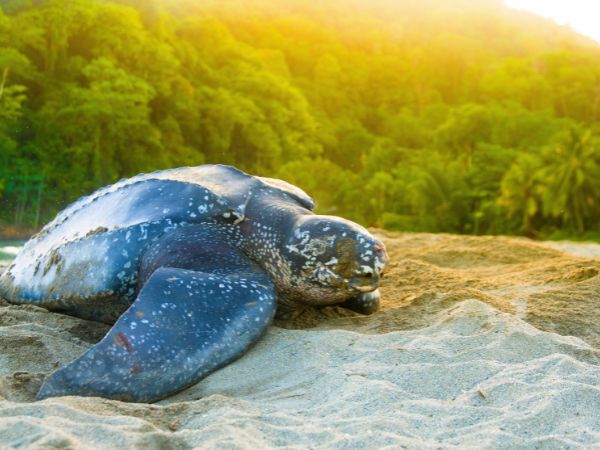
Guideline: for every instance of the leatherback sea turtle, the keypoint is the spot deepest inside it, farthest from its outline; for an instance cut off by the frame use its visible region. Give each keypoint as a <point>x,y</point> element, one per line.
<point>191,263</point>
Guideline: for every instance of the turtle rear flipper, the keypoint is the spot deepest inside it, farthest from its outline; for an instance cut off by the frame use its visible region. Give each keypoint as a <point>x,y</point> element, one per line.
<point>183,325</point>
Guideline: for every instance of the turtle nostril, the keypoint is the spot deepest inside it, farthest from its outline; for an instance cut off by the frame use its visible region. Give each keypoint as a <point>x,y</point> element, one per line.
<point>369,278</point>
<point>365,276</point>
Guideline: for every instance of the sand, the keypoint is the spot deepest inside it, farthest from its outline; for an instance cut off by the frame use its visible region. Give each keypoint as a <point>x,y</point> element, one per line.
<point>480,342</point>
<point>583,249</point>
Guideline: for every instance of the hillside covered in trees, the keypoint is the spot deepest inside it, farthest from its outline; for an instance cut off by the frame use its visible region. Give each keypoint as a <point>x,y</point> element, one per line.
<point>422,115</point>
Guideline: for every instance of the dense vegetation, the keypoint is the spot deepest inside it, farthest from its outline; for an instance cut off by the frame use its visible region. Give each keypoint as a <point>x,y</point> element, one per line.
<point>459,116</point>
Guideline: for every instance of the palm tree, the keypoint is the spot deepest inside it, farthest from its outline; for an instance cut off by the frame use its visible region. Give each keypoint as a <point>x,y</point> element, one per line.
<point>571,175</point>
<point>521,191</point>
<point>436,194</point>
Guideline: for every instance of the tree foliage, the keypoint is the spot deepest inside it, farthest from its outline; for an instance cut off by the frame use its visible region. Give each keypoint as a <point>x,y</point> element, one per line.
<point>437,115</point>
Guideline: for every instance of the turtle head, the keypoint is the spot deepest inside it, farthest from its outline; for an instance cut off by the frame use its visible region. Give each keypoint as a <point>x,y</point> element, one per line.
<point>334,261</point>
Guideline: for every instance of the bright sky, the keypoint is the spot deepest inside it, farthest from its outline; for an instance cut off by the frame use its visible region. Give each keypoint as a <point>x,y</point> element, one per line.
<point>582,15</point>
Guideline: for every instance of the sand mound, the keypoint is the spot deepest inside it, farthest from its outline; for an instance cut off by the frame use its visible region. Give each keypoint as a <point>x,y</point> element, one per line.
<point>551,289</point>
<point>474,377</point>
<point>450,360</point>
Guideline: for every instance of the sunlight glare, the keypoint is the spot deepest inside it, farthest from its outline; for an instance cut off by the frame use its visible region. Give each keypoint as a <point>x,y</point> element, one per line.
<point>582,15</point>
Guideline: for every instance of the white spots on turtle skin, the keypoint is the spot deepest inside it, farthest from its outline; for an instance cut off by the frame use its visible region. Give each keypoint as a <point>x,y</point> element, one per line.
<point>304,235</point>
<point>150,364</point>
<point>114,201</point>
<point>367,256</point>
<point>129,203</point>
<point>168,305</point>
<point>367,269</point>
<point>307,273</point>
<point>325,276</point>
<point>332,262</point>
<point>143,232</point>
<point>93,267</point>
<point>310,248</point>
<point>230,331</point>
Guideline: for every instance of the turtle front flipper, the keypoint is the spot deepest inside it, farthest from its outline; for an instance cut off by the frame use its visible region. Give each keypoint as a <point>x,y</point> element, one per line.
<point>184,325</point>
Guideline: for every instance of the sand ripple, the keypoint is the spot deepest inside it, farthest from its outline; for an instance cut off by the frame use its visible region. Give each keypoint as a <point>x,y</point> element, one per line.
<point>475,377</point>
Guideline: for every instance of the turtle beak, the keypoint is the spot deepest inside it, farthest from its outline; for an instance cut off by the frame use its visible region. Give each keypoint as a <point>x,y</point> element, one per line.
<point>367,280</point>
<point>365,283</point>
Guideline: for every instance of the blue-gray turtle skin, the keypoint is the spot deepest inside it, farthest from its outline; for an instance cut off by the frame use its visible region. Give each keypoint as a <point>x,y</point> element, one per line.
<point>190,265</point>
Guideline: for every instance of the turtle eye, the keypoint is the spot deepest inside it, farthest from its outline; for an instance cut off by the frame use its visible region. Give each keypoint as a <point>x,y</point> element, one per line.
<point>233,216</point>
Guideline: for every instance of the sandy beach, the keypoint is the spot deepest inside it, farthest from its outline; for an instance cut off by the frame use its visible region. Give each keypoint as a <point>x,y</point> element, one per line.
<point>480,342</point>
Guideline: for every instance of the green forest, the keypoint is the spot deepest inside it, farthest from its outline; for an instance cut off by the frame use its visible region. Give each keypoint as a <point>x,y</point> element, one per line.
<point>418,115</point>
